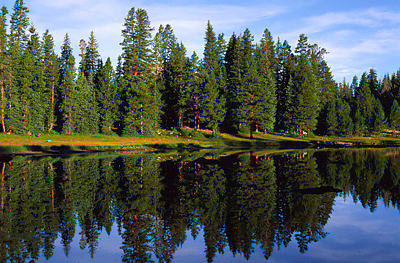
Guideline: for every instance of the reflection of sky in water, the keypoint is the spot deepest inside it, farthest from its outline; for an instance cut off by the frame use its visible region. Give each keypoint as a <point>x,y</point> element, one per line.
<point>355,235</point>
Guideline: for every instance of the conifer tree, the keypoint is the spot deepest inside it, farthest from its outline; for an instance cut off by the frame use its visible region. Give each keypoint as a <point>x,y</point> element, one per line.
<point>51,67</point>
<point>17,44</point>
<point>18,26</point>
<point>305,90</point>
<point>373,83</point>
<point>33,56</point>
<point>67,87</point>
<point>233,73</point>
<point>163,46</point>
<point>4,67</point>
<point>85,108</point>
<point>212,103</point>
<point>363,106</point>
<point>211,56</point>
<point>284,88</point>
<point>137,58</point>
<point>89,57</point>
<point>190,93</point>
<point>266,53</point>
<point>395,117</point>
<point>108,97</point>
<point>378,116</point>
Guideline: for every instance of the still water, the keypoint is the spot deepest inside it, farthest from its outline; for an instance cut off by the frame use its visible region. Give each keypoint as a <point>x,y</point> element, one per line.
<point>297,206</point>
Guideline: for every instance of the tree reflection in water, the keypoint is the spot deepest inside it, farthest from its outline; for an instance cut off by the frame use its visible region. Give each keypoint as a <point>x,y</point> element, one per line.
<point>240,202</point>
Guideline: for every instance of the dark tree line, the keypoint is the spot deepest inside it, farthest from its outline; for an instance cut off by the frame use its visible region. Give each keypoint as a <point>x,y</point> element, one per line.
<point>238,86</point>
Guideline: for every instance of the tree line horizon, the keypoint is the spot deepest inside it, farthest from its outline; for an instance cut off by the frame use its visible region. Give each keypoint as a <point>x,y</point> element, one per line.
<point>238,87</point>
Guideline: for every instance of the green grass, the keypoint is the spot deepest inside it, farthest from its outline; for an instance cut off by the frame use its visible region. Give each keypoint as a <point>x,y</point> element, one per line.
<point>181,140</point>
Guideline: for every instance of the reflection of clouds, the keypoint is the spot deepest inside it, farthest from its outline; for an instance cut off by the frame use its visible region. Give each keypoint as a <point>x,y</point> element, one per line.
<point>357,235</point>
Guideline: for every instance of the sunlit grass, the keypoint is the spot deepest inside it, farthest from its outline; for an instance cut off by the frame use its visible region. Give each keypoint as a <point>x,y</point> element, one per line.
<point>168,140</point>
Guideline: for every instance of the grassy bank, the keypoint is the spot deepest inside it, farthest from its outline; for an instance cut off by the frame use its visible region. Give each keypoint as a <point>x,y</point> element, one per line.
<point>170,140</point>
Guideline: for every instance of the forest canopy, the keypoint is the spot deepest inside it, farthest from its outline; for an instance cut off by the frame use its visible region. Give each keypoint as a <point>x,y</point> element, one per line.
<point>239,85</point>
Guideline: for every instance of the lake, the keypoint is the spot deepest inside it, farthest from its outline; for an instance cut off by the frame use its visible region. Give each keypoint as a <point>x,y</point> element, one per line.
<point>290,206</point>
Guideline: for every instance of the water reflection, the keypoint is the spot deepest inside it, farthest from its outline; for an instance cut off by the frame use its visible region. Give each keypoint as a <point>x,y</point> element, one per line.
<point>240,202</point>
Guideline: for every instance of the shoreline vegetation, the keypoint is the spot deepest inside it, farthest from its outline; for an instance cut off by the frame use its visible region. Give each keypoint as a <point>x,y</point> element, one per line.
<point>239,86</point>
<point>186,139</point>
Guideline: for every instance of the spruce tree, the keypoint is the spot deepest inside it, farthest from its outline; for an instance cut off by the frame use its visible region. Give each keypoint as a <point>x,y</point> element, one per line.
<point>305,90</point>
<point>18,26</point>
<point>233,74</point>
<point>108,97</point>
<point>137,58</point>
<point>190,93</point>
<point>395,117</point>
<point>4,67</point>
<point>38,106</point>
<point>67,88</point>
<point>284,88</point>
<point>211,56</point>
<point>85,108</point>
<point>17,108</point>
<point>212,103</point>
<point>363,107</point>
<point>51,77</point>
<point>378,116</point>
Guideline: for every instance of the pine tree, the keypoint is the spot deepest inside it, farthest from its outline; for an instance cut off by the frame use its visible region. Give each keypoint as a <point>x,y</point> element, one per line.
<point>4,67</point>
<point>373,84</point>
<point>90,57</point>
<point>163,46</point>
<point>284,88</point>
<point>18,26</point>
<point>305,90</point>
<point>363,106</point>
<point>108,97</point>
<point>175,89</point>
<point>233,75</point>
<point>85,108</point>
<point>190,92</point>
<point>212,103</point>
<point>395,117</point>
<point>17,108</point>
<point>378,116</point>
<point>211,56</point>
<point>67,88</point>
<point>51,67</point>
<point>266,52</point>
<point>38,106</point>
<point>137,71</point>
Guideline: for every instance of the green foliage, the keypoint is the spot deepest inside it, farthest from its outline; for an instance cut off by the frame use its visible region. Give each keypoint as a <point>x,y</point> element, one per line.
<point>395,116</point>
<point>239,86</point>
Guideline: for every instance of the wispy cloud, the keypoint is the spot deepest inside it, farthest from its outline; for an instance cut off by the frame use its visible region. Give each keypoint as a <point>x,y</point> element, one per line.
<point>356,40</point>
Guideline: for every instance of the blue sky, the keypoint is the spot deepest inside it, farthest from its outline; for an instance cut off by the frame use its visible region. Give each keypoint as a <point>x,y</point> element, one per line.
<point>358,35</point>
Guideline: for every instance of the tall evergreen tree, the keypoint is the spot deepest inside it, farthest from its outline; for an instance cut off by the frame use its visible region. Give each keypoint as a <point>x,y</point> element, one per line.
<point>212,103</point>
<point>163,46</point>
<point>51,67</point>
<point>90,57</point>
<point>137,58</point>
<point>284,87</point>
<point>210,54</point>
<point>108,97</point>
<point>305,90</point>
<point>395,117</point>
<point>67,88</point>
<point>363,106</point>
<point>18,26</point>
<point>4,67</point>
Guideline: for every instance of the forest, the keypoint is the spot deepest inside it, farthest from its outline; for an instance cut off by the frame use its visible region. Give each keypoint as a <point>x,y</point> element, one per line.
<point>238,86</point>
